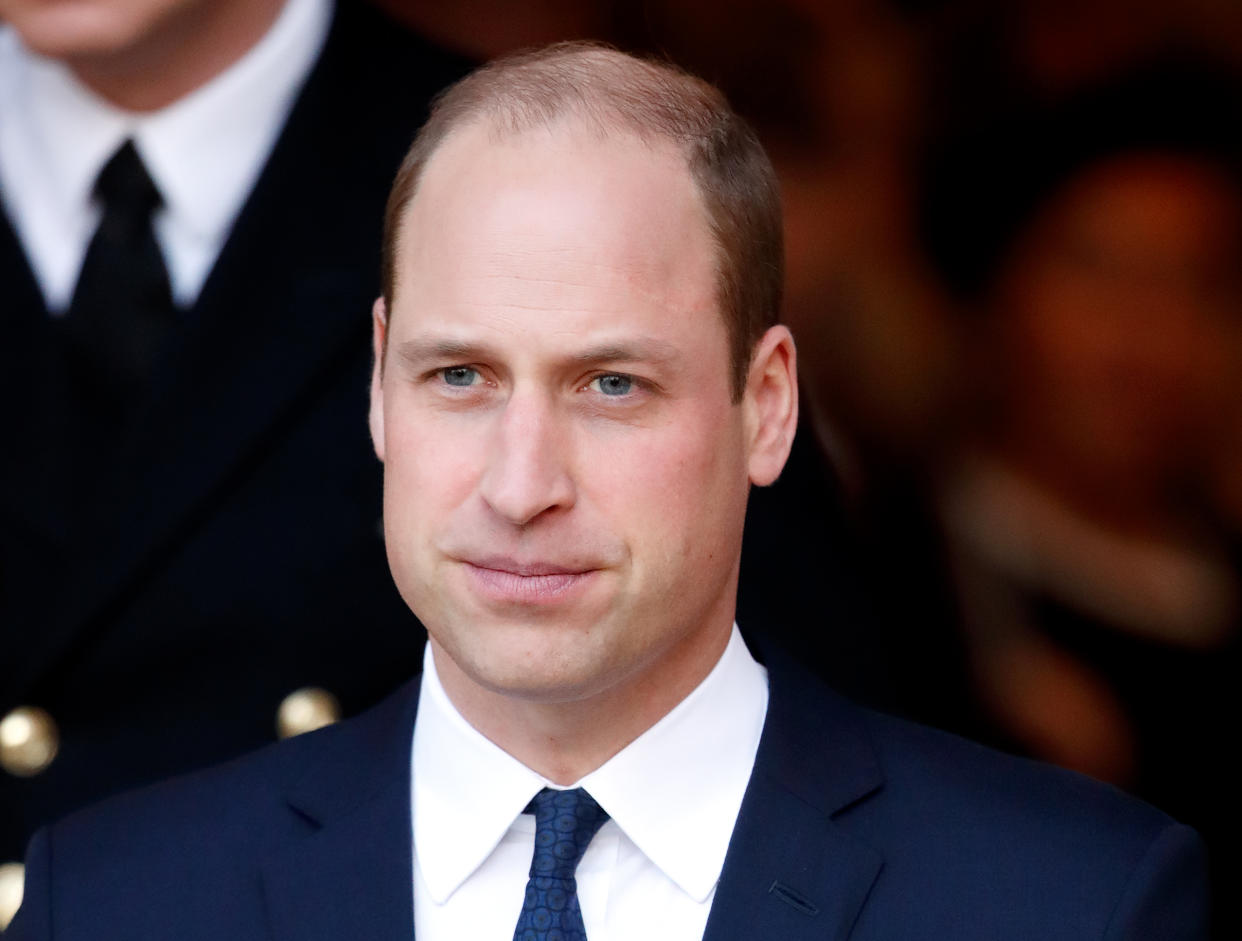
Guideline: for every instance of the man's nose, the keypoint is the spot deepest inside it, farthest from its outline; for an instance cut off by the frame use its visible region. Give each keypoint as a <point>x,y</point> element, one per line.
<point>527,472</point>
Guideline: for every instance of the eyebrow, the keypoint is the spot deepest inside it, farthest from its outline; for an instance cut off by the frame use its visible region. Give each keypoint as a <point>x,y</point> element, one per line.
<point>417,352</point>
<point>643,350</point>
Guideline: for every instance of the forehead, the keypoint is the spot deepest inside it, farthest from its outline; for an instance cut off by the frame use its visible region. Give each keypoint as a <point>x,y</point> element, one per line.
<point>589,229</point>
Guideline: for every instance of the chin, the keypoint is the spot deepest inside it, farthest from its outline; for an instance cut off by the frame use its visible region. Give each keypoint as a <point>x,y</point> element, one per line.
<point>535,665</point>
<point>70,45</point>
<point>553,684</point>
<point>70,31</point>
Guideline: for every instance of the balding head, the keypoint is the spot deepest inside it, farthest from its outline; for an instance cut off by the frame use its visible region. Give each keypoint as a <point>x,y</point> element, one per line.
<point>607,93</point>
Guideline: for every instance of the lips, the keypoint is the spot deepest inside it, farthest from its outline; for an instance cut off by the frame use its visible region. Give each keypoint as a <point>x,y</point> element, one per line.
<point>532,569</point>
<point>511,581</point>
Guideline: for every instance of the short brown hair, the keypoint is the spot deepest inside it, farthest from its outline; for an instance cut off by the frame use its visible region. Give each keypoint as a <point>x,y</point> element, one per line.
<point>609,89</point>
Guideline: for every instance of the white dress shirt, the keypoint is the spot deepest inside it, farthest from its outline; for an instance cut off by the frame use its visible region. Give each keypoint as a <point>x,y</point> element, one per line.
<point>204,151</point>
<point>672,796</point>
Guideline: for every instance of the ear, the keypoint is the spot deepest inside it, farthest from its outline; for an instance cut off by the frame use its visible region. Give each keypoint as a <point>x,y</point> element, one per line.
<point>770,402</point>
<point>379,329</point>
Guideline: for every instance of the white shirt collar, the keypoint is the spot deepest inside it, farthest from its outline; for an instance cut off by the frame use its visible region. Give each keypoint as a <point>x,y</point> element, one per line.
<point>675,791</point>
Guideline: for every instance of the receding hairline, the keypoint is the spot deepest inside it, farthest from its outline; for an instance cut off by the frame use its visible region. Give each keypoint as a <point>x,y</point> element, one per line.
<point>593,82</point>
<point>495,135</point>
<point>609,93</point>
<point>586,84</point>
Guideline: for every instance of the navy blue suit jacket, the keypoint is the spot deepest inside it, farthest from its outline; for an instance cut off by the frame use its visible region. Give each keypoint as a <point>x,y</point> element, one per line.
<point>855,825</point>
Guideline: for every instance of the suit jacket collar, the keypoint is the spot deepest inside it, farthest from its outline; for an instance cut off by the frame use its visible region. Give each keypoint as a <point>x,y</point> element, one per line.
<point>790,873</point>
<point>351,876</point>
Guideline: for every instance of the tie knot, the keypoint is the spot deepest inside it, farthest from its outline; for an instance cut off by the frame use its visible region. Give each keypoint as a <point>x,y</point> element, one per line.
<point>565,823</point>
<point>124,185</point>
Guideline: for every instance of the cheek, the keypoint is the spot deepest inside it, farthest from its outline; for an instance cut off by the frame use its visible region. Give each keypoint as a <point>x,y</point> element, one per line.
<point>431,464</point>
<point>429,473</point>
<point>670,493</point>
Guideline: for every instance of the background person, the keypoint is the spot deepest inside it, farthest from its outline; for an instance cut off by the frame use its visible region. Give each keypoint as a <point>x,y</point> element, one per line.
<point>192,193</point>
<point>1094,243</point>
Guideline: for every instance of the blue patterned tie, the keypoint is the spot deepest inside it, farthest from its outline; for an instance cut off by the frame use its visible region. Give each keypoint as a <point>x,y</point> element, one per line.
<point>565,822</point>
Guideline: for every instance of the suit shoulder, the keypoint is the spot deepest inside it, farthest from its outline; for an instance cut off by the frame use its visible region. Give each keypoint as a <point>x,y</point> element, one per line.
<point>230,805</point>
<point>948,771</point>
<point>926,778</point>
<point>1016,842</point>
<point>188,858</point>
<point>974,843</point>
<point>220,819</point>
<point>166,860</point>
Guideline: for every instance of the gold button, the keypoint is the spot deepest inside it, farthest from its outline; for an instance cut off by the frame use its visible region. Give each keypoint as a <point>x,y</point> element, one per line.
<point>305,710</point>
<point>12,880</point>
<point>28,741</point>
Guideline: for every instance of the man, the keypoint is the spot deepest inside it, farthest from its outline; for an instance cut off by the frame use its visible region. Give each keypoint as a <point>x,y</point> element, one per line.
<point>164,584</point>
<point>578,376</point>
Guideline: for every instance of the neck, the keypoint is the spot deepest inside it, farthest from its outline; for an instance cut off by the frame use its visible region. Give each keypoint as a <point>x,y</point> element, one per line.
<point>566,740</point>
<point>187,51</point>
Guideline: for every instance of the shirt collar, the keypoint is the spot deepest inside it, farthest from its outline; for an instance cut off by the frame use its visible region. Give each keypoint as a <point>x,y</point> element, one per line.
<point>67,130</point>
<point>203,151</point>
<point>466,791</point>
<point>654,788</point>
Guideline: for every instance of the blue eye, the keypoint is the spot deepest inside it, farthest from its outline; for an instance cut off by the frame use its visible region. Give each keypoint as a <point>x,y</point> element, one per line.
<point>459,375</point>
<point>613,384</point>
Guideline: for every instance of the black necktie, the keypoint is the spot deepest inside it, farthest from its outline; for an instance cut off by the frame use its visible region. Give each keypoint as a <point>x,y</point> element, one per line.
<point>565,823</point>
<point>116,327</point>
<point>122,309</point>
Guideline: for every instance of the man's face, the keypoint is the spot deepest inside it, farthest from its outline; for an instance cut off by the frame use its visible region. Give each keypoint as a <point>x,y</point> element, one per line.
<point>565,474</point>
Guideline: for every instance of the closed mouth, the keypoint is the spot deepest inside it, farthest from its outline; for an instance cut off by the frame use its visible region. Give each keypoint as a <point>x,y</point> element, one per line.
<point>526,582</point>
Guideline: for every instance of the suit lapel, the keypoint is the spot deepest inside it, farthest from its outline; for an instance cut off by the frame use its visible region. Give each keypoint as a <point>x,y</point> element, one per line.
<point>352,875</point>
<point>352,879</point>
<point>791,872</point>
